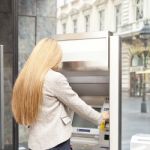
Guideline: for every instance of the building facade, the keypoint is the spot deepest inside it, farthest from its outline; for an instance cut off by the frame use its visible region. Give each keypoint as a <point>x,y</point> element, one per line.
<point>123,17</point>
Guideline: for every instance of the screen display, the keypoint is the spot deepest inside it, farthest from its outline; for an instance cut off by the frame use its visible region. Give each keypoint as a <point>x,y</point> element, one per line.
<point>82,123</point>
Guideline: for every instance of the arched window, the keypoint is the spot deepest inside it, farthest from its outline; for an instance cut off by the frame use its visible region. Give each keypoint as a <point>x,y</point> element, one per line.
<point>137,60</point>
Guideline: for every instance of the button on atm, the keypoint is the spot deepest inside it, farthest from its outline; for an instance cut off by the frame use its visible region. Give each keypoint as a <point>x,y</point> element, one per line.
<point>104,133</point>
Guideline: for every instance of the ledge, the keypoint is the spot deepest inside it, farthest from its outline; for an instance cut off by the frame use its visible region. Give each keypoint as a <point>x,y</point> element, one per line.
<point>74,2</point>
<point>86,6</point>
<point>100,2</point>
<point>63,16</point>
<point>73,11</point>
<point>64,6</point>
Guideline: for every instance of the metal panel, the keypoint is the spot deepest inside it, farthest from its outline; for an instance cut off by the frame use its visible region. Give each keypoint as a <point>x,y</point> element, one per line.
<point>82,36</point>
<point>115,93</point>
<point>98,89</point>
<point>1,98</point>
<point>89,79</point>
<point>15,65</point>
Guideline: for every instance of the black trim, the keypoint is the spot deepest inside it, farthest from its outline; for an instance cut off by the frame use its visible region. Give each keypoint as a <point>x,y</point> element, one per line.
<point>15,137</point>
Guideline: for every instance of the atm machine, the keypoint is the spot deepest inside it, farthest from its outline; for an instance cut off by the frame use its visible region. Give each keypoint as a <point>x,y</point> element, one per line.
<point>92,85</point>
<point>90,63</point>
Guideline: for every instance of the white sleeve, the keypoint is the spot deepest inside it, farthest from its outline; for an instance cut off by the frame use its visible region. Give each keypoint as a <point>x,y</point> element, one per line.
<point>70,98</point>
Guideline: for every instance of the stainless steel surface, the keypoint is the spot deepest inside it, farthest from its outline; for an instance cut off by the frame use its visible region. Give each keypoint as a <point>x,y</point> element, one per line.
<point>94,100</point>
<point>90,65</point>
<point>79,36</point>
<point>1,97</point>
<point>86,79</point>
<point>83,143</point>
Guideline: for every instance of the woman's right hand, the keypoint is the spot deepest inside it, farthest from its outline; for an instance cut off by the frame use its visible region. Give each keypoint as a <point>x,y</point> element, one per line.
<point>104,119</point>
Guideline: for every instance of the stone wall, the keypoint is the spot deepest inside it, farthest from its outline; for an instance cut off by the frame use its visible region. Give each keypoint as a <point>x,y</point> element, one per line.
<point>36,20</point>
<point>6,34</point>
<point>125,69</point>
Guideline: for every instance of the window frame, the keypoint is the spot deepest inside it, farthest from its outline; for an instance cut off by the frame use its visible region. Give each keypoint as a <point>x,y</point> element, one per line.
<point>117,16</point>
<point>75,25</point>
<point>101,14</point>
<point>139,9</point>
<point>64,28</point>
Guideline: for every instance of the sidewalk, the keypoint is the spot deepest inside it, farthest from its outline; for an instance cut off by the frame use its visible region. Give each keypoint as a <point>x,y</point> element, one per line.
<point>133,121</point>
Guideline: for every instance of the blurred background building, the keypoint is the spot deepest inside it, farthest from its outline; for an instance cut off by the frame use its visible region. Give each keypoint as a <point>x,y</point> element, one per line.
<point>123,17</point>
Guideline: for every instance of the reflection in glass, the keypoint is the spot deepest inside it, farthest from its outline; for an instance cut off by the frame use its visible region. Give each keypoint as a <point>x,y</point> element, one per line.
<point>135,122</point>
<point>81,122</point>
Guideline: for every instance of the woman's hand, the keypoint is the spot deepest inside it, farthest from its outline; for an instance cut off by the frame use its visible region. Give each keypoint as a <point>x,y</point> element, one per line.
<point>103,121</point>
<point>105,115</point>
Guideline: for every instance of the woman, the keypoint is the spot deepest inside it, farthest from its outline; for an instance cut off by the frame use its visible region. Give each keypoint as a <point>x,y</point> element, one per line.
<point>43,100</point>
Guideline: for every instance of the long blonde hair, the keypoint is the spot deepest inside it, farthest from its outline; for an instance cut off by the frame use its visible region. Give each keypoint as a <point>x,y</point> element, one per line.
<point>27,92</point>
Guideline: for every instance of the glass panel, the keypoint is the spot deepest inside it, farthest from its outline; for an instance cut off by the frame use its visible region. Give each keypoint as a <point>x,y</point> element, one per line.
<point>81,122</point>
<point>135,97</point>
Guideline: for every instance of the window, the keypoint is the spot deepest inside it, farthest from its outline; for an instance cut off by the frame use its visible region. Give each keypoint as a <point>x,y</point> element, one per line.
<point>101,20</point>
<point>75,25</point>
<point>118,16</point>
<point>64,28</point>
<point>139,9</point>
<point>87,23</point>
<point>137,60</point>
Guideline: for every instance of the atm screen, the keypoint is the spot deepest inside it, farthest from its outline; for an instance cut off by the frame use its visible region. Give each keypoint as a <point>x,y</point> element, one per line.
<point>82,123</point>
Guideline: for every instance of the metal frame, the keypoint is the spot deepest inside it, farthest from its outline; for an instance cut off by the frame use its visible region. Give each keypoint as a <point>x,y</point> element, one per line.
<point>15,137</point>
<point>82,36</point>
<point>115,93</point>
<point>2,143</point>
<point>114,64</point>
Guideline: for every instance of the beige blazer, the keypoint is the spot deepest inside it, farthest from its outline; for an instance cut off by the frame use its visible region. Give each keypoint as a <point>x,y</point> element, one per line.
<point>53,125</point>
